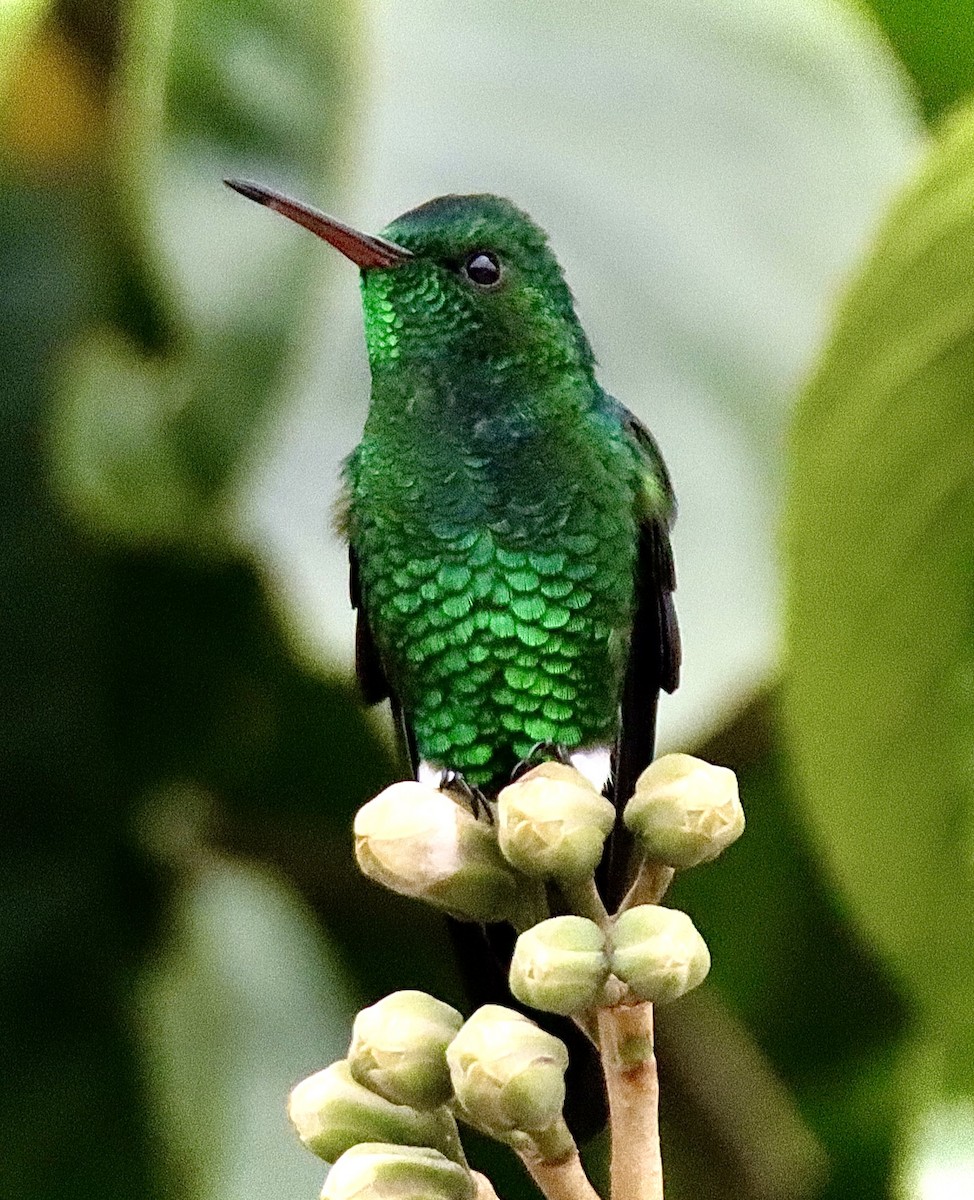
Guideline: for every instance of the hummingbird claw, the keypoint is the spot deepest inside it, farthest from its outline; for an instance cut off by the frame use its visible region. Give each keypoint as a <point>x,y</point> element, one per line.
<point>542,752</point>
<point>453,781</point>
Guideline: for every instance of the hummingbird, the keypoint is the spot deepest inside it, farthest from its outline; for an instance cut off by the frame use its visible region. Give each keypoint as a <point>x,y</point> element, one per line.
<point>508,520</point>
<point>508,524</point>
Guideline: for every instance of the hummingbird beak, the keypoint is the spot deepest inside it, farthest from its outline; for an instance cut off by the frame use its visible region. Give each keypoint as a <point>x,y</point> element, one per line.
<point>364,249</point>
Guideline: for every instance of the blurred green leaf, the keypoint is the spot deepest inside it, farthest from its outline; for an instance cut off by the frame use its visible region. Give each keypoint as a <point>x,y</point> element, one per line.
<point>205,313</point>
<point>133,393</point>
<point>18,21</point>
<point>243,1002</point>
<point>806,986</point>
<point>880,694</point>
<point>935,40</point>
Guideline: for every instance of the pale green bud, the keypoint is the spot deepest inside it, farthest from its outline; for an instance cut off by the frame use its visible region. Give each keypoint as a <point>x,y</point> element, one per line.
<point>560,966</point>
<point>420,842</point>
<point>658,952</point>
<point>399,1048</point>
<point>380,1171</point>
<point>508,1075</point>
<point>331,1112</point>
<point>551,823</point>
<point>685,811</point>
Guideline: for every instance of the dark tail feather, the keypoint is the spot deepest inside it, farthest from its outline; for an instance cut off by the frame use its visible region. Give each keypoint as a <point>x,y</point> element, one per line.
<point>654,666</point>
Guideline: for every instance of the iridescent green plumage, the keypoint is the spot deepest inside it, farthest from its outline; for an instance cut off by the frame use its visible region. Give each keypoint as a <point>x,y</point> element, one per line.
<point>508,522</point>
<point>496,501</point>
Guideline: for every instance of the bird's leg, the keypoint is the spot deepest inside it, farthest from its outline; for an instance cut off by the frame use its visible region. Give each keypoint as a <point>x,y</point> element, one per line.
<point>542,752</point>
<point>453,781</point>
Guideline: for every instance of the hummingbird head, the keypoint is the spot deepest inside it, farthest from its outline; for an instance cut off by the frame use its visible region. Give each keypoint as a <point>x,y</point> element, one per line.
<point>482,288</point>
<point>462,283</point>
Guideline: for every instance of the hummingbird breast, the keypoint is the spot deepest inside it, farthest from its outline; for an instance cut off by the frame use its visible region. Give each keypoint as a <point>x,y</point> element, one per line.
<point>497,570</point>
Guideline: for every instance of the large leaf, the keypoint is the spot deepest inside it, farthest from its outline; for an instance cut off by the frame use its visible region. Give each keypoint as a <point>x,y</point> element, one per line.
<point>162,407</point>
<point>128,664</point>
<point>708,173</point>
<point>935,39</point>
<point>880,542</point>
<point>243,1002</point>
<point>18,22</point>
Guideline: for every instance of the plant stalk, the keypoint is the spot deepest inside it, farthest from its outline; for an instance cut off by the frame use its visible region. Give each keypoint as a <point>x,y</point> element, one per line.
<point>632,1082</point>
<point>564,1180</point>
<point>485,1189</point>
<point>650,885</point>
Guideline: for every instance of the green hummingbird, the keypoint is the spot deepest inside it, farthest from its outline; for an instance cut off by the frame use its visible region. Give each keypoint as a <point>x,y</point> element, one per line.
<point>508,521</point>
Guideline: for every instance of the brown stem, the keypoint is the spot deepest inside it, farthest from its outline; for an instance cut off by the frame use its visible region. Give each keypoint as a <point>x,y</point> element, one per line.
<point>650,885</point>
<point>565,1180</point>
<point>485,1189</point>
<point>629,1063</point>
<point>583,899</point>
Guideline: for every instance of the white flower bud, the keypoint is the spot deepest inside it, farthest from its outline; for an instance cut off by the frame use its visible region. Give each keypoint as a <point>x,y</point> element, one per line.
<point>399,1048</point>
<point>420,842</point>
<point>331,1112</point>
<point>560,966</point>
<point>658,952</point>
<point>380,1171</point>
<point>508,1075</point>
<point>551,823</point>
<point>685,811</point>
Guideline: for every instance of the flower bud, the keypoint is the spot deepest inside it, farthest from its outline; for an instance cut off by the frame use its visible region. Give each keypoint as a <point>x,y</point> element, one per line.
<point>331,1112</point>
<point>658,953</point>
<point>508,1075</point>
<point>685,811</point>
<point>560,966</point>
<point>399,1046</point>
<point>551,823</point>
<point>380,1171</point>
<point>419,842</point>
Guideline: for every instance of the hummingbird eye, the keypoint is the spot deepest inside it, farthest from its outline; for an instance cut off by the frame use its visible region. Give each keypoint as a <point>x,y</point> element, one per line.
<point>483,269</point>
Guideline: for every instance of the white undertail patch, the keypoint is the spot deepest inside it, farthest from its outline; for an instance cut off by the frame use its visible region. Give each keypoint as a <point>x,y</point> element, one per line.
<point>595,764</point>
<point>429,774</point>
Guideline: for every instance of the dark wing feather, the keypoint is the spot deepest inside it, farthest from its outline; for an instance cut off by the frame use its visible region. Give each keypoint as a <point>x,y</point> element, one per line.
<point>372,678</point>
<point>654,652</point>
<point>369,670</point>
<point>654,657</point>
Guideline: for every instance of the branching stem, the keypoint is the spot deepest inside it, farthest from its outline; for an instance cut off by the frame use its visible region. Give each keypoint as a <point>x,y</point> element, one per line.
<point>485,1189</point>
<point>565,1180</point>
<point>583,898</point>
<point>650,885</point>
<point>631,1080</point>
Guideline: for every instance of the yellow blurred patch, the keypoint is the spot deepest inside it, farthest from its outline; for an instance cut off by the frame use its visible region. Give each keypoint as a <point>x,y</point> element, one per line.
<point>51,117</point>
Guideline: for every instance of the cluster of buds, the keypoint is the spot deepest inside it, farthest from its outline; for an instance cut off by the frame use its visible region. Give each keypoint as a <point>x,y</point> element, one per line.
<point>571,964</point>
<point>386,1116</point>
<point>550,825</point>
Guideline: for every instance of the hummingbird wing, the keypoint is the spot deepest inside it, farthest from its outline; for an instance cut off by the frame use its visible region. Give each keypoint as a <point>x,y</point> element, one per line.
<point>369,670</point>
<point>372,678</point>
<point>654,647</point>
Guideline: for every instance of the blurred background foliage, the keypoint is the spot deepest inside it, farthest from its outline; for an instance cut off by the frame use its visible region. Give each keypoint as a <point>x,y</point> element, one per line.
<point>765,212</point>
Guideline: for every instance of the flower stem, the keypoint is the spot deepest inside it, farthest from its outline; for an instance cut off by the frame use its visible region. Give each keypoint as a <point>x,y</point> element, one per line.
<point>631,1080</point>
<point>583,899</point>
<point>565,1180</point>
<point>650,884</point>
<point>451,1136</point>
<point>485,1189</point>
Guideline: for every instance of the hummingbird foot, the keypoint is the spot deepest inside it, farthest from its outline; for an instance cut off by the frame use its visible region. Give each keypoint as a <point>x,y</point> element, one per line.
<point>542,752</point>
<point>453,781</point>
